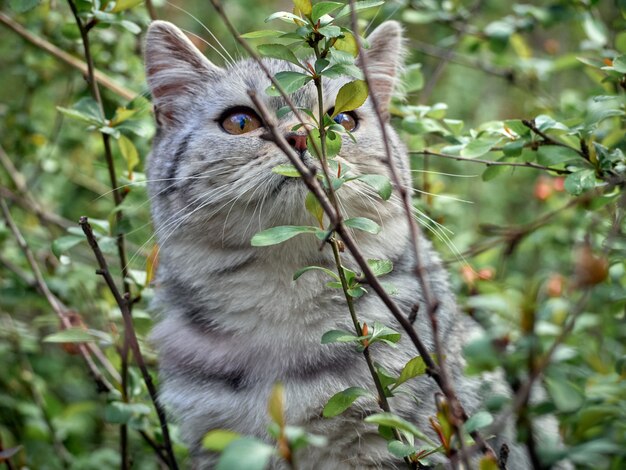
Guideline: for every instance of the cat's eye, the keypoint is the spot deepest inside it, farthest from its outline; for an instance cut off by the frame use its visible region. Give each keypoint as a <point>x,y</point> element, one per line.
<point>347,120</point>
<point>240,121</point>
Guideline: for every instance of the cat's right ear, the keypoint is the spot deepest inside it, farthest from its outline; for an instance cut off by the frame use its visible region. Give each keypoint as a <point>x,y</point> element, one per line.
<point>175,69</point>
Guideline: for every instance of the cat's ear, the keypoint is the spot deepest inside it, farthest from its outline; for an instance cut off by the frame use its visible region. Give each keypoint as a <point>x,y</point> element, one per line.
<point>384,61</point>
<point>175,69</point>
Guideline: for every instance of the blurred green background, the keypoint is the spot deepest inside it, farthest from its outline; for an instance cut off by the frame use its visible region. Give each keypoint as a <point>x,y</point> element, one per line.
<point>518,241</point>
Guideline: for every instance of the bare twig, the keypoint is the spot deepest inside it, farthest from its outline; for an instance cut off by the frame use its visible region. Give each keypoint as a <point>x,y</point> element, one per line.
<point>118,199</point>
<point>559,171</point>
<point>151,10</point>
<point>123,302</point>
<point>86,349</point>
<point>66,58</point>
<point>55,303</point>
<point>550,140</point>
<point>435,370</point>
<point>336,221</point>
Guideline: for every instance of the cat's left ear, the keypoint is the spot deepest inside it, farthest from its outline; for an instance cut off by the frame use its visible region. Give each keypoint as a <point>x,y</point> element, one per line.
<point>176,71</point>
<point>384,61</point>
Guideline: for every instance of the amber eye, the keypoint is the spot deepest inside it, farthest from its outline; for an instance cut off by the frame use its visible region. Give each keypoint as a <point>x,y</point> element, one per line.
<point>347,120</point>
<point>240,121</point>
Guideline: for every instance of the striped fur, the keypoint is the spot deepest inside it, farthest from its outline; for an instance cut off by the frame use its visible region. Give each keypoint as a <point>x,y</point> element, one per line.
<point>232,320</point>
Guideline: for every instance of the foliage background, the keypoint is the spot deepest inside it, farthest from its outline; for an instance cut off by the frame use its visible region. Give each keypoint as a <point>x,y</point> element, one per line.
<point>471,67</point>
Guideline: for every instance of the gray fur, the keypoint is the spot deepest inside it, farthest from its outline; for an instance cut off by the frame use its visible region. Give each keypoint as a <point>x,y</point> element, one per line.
<point>233,322</point>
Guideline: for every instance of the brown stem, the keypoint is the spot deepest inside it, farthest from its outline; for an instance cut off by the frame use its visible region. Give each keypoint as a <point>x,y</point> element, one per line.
<point>531,125</point>
<point>336,221</point>
<point>491,162</point>
<point>58,307</point>
<point>432,304</point>
<point>124,305</point>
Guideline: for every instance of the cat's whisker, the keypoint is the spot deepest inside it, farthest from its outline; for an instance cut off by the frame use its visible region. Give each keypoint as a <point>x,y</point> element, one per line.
<point>441,173</point>
<point>229,62</point>
<point>243,193</point>
<point>202,175</point>
<point>191,33</point>
<point>441,196</point>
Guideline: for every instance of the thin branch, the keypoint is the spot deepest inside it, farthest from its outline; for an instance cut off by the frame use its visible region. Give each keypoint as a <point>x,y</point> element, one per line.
<point>513,235</point>
<point>420,269</point>
<point>38,282</point>
<point>312,183</point>
<point>66,58</point>
<point>123,302</point>
<point>536,166</point>
<point>546,138</point>
<point>58,307</point>
<point>151,10</point>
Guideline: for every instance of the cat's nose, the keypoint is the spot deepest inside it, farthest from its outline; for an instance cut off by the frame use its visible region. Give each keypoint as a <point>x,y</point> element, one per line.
<point>298,141</point>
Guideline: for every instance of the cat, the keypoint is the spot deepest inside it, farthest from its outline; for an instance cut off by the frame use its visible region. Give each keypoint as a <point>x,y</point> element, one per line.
<point>233,321</point>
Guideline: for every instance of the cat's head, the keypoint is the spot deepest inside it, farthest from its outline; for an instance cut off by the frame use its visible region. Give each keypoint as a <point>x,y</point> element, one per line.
<point>211,166</point>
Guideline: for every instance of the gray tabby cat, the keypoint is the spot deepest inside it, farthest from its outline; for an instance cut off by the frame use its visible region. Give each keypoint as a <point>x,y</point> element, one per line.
<point>233,321</point>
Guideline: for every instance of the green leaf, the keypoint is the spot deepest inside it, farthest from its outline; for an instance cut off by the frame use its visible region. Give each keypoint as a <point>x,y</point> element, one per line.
<point>286,169</point>
<point>218,439</point>
<point>580,181</point>
<point>413,368</point>
<point>358,6</point>
<point>493,171</point>
<point>63,244</point>
<point>338,70</point>
<point>85,110</point>
<point>479,147</point>
<point>275,235</point>
<point>278,51</point>
<point>356,292</point>
<point>320,65</point>
<point>284,16</point>
<point>385,334</point>
<point>276,404</point>
<point>22,6</point>
<point>130,26</point>
<point>478,421</point>
<point>551,155</point>
<point>121,5</point>
<point>348,44</point>
<point>619,64</point>
<point>301,271</point>
<point>129,152</point>
<point>363,223</point>
<point>289,82</point>
<point>394,421</point>
<point>333,143</point>
<point>262,34</point>
<point>380,267</point>
<point>350,97</point>
<point>339,336</point>
<point>517,126</point>
<point>341,401</point>
<point>304,6</point>
<point>314,207</point>
<point>247,453</point>
<point>379,183</point>
<point>70,335</point>
<point>330,32</point>
<point>400,449</point>
<point>595,29</point>
<point>121,413</point>
<point>323,8</point>
<point>567,398</point>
